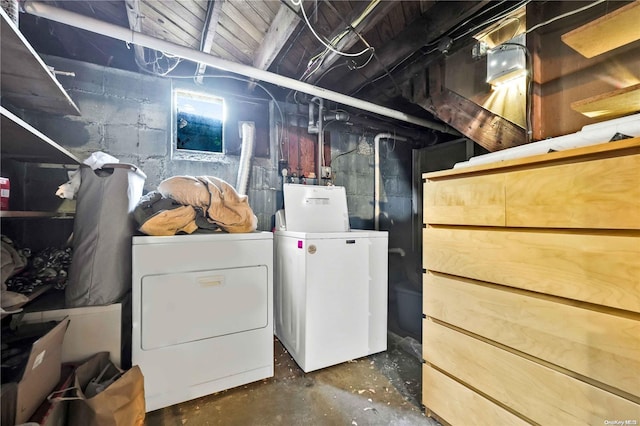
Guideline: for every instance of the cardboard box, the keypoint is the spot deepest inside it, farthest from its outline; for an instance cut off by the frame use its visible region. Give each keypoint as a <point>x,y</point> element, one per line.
<point>41,374</point>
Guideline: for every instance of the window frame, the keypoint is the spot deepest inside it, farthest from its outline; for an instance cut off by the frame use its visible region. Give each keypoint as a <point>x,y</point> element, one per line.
<point>191,154</point>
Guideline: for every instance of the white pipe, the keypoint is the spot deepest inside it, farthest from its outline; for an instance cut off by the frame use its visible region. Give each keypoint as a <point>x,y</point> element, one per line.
<point>398,250</point>
<point>376,174</point>
<point>246,155</point>
<point>129,36</point>
<point>320,141</point>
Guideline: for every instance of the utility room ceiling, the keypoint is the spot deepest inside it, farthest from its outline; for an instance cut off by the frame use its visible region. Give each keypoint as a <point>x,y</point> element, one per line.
<point>386,41</point>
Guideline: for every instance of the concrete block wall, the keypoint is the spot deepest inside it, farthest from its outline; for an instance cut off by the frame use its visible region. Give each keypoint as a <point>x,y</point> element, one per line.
<point>355,171</point>
<point>128,115</point>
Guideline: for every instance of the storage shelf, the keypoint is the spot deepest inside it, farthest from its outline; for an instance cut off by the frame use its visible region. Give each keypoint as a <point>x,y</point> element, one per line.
<point>22,141</point>
<point>26,80</point>
<point>612,104</point>
<point>35,214</point>
<point>611,31</point>
<point>18,308</point>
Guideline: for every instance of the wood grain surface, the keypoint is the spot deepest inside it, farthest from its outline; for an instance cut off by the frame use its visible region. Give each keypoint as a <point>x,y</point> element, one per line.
<point>595,267</point>
<point>539,393</point>
<point>601,346</point>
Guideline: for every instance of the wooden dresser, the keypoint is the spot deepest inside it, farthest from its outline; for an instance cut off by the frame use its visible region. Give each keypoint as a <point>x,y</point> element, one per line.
<point>532,290</point>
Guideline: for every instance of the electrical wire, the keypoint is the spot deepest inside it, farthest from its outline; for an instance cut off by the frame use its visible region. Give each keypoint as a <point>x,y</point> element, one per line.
<point>564,15</point>
<point>503,15</point>
<point>328,46</point>
<point>448,33</point>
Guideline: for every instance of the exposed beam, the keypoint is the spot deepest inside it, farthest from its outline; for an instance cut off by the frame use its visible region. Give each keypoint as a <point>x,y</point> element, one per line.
<point>135,23</point>
<point>285,21</point>
<point>209,33</point>
<point>94,25</point>
<point>478,124</point>
<point>369,21</point>
<point>487,129</point>
<point>442,17</point>
<point>279,32</point>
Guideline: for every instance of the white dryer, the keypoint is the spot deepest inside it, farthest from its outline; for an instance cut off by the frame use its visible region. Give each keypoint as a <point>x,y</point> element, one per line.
<point>202,309</point>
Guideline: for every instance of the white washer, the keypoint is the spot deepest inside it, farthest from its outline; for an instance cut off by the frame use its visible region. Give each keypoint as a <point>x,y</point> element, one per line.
<point>202,309</point>
<point>331,295</point>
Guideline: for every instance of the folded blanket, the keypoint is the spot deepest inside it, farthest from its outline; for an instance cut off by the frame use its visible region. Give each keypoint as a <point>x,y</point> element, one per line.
<point>219,200</point>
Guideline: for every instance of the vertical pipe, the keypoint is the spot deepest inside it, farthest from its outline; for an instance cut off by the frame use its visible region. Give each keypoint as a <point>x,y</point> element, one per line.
<point>320,141</point>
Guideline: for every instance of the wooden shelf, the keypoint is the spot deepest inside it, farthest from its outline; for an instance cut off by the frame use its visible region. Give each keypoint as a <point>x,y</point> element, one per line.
<point>612,104</point>
<point>24,142</point>
<point>611,31</point>
<point>26,80</point>
<point>18,308</point>
<point>35,214</point>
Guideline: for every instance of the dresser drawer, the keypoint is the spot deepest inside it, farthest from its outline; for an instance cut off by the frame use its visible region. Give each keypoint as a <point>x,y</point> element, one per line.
<point>475,200</point>
<point>537,392</point>
<point>597,194</point>
<point>459,405</point>
<point>601,346</point>
<point>597,267</point>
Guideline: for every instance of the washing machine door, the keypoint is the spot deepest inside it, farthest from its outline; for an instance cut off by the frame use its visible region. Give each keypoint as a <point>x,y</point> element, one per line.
<point>178,308</point>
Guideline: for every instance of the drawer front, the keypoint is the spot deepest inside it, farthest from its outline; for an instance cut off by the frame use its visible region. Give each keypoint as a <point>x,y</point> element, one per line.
<point>598,267</point>
<point>459,405</point>
<point>477,200</point>
<point>537,392</point>
<point>601,194</point>
<point>604,347</point>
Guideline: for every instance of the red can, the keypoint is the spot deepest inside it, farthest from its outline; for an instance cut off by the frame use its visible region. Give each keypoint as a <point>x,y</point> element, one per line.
<point>5,186</point>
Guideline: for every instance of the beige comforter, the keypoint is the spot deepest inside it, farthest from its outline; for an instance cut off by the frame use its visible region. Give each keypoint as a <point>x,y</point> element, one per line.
<point>223,205</point>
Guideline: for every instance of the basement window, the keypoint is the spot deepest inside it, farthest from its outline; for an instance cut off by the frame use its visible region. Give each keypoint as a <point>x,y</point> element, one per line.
<point>198,122</point>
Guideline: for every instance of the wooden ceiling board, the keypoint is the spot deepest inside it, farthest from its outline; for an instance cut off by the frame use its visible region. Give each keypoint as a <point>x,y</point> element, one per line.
<point>274,5</point>
<point>342,11</point>
<point>220,52</point>
<point>411,11</point>
<point>425,5</point>
<point>186,10</point>
<point>238,31</point>
<point>174,23</point>
<point>385,31</point>
<point>294,67</point>
<point>229,10</point>
<point>229,43</point>
<point>263,11</point>
<point>282,27</point>
<point>196,7</point>
<point>155,29</point>
<point>444,15</point>
<point>110,11</point>
<point>249,13</point>
<point>397,19</point>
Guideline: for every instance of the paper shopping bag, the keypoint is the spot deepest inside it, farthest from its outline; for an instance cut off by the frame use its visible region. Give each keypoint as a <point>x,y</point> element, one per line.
<point>105,395</point>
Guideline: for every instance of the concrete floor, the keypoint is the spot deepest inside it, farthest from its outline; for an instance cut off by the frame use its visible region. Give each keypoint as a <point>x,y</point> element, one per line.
<point>381,389</point>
